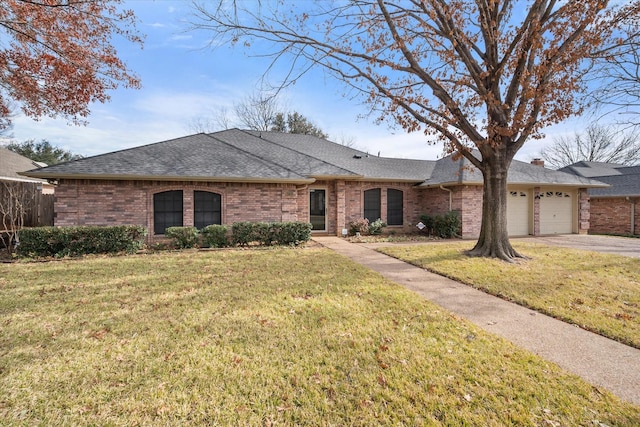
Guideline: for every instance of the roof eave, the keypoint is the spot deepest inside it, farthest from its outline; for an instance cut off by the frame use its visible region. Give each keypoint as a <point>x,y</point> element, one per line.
<point>102,177</point>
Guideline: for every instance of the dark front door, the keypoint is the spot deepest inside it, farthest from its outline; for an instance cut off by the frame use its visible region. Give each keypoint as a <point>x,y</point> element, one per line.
<point>317,210</point>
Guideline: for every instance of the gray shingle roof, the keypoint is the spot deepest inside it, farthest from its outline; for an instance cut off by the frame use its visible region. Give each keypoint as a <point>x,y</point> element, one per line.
<point>624,181</point>
<point>449,171</point>
<point>12,163</point>
<point>356,161</point>
<point>246,156</point>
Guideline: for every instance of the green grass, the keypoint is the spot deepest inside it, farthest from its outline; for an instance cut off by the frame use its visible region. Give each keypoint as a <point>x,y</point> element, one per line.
<point>598,292</point>
<point>274,337</point>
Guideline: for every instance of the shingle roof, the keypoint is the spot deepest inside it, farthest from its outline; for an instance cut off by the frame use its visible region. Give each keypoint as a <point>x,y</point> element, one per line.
<point>593,169</point>
<point>624,181</point>
<point>356,161</point>
<point>11,163</point>
<point>449,171</point>
<point>246,156</point>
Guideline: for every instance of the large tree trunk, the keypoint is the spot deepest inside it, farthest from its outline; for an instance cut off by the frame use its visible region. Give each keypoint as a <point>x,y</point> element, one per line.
<point>494,237</point>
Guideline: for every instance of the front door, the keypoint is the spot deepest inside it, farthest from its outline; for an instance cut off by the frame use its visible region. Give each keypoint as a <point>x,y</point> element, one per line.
<point>317,210</point>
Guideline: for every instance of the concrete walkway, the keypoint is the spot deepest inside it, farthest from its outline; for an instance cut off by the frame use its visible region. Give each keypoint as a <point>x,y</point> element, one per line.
<point>598,360</point>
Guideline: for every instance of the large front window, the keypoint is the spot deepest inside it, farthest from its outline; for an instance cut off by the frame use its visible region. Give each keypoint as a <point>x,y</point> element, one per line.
<point>167,210</point>
<point>206,209</point>
<point>372,204</point>
<point>394,207</point>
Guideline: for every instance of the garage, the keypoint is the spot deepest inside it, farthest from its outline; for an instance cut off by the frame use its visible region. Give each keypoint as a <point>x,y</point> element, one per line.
<point>518,213</point>
<point>556,212</point>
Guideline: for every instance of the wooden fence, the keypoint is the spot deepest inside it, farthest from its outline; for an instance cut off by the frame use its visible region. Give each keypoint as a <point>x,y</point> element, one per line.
<point>39,207</point>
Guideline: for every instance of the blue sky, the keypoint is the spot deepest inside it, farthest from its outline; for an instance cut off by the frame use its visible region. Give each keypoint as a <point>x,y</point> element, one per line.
<point>182,80</point>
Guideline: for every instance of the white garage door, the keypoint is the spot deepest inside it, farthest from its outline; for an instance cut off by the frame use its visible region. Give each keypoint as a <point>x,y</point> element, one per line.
<point>556,212</point>
<point>518,213</point>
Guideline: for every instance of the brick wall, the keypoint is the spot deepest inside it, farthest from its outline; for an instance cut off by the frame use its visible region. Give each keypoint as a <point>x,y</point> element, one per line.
<point>636,216</point>
<point>613,216</point>
<point>468,201</point>
<point>354,202</point>
<point>94,202</point>
<point>464,199</point>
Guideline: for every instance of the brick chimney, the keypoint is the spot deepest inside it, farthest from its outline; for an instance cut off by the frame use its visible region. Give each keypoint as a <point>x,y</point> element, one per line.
<point>537,162</point>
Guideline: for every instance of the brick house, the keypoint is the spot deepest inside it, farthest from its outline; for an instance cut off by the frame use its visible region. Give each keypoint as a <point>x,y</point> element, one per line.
<point>237,175</point>
<point>615,209</point>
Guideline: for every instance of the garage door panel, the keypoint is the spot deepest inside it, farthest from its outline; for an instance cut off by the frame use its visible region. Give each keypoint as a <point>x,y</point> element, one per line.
<point>518,213</point>
<point>556,212</point>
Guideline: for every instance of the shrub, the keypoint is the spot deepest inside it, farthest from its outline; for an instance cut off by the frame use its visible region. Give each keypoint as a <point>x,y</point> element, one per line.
<point>242,233</point>
<point>291,233</point>
<point>183,237</point>
<point>376,227</point>
<point>363,227</point>
<point>74,241</point>
<point>359,226</point>
<point>215,236</point>
<point>445,226</point>
<point>269,233</point>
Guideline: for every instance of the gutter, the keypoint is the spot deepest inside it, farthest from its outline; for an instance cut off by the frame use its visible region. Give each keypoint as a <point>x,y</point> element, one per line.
<point>165,178</point>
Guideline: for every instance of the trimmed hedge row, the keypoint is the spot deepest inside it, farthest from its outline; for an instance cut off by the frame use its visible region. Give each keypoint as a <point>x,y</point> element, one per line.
<point>242,234</point>
<point>270,233</point>
<point>73,241</point>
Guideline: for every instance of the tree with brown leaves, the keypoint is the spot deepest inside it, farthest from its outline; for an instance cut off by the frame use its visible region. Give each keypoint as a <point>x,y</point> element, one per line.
<point>485,76</point>
<point>57,57</point>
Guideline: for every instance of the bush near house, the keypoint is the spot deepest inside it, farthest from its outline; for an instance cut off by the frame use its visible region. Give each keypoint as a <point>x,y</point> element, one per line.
<point>242,234</point>
<point>215,236</point>
<point>269,233</point>
<point>73,241</point>
<point>446,226</point>
<point>365,228</point>
<point>183,237</point>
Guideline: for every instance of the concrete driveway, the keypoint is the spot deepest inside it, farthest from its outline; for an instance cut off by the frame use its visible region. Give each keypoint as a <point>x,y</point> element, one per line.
<point>626,246</point>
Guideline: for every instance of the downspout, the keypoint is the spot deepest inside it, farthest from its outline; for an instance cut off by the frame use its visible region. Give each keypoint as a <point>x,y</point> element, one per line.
<point>450,196</point>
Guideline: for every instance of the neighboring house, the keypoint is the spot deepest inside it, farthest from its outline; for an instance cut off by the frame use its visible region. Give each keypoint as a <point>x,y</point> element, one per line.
<point>12,163</point>
<point>40,211</point>
<point>615,209</point>
<point>237,175</point>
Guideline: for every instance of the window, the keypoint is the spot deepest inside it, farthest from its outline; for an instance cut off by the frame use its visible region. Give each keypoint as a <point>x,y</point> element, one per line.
<point>167,210</point>
<point>394,207</point>
<point>206,209</point>
<point>372,204</point>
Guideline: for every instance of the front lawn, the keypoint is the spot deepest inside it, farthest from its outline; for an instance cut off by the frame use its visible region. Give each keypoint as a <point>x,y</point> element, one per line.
<point>261,338</point>
<point>598,292</point>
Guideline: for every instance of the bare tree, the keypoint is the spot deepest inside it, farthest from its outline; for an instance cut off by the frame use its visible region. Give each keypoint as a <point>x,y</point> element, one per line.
<point>213,122</point>
<point>16,198</point>
<point>616,74</point>
<point>483,74</point>
<point>257,111</point>
<point>597,144</point>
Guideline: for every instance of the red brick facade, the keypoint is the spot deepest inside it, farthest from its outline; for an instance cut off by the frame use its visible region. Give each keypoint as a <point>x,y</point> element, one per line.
<point>615,216</point>
<point>95,202</point>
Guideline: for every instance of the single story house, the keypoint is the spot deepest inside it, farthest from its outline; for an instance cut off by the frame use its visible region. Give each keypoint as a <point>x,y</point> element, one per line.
<point>11,164</point>
<point>238,175</point>
<point>614,209</point>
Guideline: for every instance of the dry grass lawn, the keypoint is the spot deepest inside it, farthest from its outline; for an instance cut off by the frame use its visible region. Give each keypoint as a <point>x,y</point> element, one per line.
<point>261,338</point>
<point>598,292</point>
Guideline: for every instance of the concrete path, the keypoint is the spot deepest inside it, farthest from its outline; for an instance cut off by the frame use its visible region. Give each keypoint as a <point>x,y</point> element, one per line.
<point>600,361</point>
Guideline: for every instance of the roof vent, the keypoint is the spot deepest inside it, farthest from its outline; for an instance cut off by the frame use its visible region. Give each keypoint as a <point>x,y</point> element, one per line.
<point>357,156</point>
<point>537,162</point>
